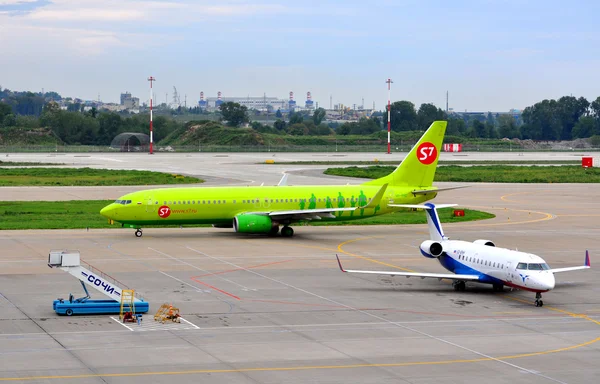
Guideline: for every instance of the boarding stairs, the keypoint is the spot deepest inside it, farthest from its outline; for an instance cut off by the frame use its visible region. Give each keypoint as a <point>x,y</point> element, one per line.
<point>70,262</point>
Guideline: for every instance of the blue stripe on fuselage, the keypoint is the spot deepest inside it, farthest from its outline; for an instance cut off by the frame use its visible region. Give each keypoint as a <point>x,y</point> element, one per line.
<point>459,268</point>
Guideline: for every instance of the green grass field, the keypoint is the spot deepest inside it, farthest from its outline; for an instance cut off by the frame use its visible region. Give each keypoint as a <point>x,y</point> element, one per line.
<point>87,177</point>
<point>488,174</point>
<point>78,214</point>
<point>441,162</point>
<point>24,164</point>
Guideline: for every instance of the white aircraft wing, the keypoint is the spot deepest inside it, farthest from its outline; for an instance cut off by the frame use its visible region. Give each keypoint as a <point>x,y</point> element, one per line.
<point>451,276</point>
<point>557,270</point>
<point>585,265</point>
<point>426,191</point>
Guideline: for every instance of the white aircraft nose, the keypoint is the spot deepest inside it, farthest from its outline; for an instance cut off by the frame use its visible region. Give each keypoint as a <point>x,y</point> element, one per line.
<point>545,281</point>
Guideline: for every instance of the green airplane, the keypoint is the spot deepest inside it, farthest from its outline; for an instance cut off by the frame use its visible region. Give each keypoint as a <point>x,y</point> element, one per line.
<point>263,209</point>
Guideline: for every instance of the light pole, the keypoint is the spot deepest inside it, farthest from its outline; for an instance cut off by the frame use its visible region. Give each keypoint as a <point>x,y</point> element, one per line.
<point>151,79</point>
<point>389,83</point>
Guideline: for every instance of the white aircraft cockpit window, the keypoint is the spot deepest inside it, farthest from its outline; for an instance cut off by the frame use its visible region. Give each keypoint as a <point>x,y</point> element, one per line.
<point>538,267</point>
<point>522,266</point>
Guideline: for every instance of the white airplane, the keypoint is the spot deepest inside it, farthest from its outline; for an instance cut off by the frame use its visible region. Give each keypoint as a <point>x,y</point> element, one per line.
<point>480,261</point>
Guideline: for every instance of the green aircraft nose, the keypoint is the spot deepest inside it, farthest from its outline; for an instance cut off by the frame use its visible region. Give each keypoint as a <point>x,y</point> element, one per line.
<point>108,211</point>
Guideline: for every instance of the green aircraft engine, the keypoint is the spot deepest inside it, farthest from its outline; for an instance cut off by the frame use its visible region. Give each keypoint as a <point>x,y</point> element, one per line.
<point>252,224</point>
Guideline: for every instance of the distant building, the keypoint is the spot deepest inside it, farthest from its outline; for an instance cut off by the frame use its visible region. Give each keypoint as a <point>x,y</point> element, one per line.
<point>258,103</point>
<point>129,102</point>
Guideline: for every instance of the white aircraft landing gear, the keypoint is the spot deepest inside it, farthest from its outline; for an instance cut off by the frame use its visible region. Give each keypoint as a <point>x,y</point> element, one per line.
<point>287,231</point>
<point>459,285</point>
<point>138,232</point>
<point>498,287</point>
<point>538,300</point>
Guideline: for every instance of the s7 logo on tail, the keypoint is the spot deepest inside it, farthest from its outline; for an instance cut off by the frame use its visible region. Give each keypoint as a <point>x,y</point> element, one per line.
<point>426,153</point>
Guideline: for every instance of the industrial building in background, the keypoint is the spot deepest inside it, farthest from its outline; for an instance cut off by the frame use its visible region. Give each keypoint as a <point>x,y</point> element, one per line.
<point>129,102</point>
<point>259,103</point>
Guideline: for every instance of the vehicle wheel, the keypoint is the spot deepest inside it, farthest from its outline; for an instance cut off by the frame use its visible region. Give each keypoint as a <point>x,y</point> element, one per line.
<point>274,231</point>
<point>541,303</point>
<point>138,233</point>
<point>69,312</point>
<point>287,232</point>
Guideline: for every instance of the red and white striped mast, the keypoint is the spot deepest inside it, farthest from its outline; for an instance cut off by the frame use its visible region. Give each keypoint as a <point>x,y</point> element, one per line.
<point>389,83</point>
<point>151,79</point>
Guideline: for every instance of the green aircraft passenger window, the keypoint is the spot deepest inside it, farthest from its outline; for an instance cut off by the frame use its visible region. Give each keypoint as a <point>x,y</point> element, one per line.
<point>214,201</point>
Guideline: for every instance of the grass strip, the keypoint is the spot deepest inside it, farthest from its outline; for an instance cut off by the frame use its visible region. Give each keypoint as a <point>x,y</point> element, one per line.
<point>24,164</point>
<point>81,214</point>
<point>87,177</point>
<point>488,174</point>
<point>440,162</point>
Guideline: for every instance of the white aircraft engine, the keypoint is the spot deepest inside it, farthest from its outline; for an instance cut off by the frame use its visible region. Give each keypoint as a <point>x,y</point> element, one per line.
<point>489,243</point>
<point>431,249</point>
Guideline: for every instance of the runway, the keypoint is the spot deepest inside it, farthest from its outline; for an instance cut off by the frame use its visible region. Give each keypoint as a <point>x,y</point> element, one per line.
<point>278,310</point>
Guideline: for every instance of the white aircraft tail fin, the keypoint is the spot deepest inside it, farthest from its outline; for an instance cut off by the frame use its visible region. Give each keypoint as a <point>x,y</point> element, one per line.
<point>436,232</point>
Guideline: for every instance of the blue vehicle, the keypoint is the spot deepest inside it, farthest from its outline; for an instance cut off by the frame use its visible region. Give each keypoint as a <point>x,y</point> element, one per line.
<point>88,307</point>
<point>84,305</point>
<point>70,261</point>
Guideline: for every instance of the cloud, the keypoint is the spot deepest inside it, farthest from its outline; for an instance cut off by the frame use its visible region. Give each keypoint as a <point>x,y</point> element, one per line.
<point>87,14</point>
<point>240,9</point>
<point>16,2</point>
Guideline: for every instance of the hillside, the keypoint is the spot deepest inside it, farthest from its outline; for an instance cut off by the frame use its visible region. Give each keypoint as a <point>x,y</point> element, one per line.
<point>213,133</point>
<point>26,136</point>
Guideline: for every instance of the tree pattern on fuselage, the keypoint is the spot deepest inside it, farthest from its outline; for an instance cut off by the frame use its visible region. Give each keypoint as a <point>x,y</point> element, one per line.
<point>361,201</point>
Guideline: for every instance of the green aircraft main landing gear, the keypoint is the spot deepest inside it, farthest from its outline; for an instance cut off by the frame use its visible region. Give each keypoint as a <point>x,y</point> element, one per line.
<point>287,231</point>
<point>138,232</point>
<point>538,300</point>
<point>274,231</point>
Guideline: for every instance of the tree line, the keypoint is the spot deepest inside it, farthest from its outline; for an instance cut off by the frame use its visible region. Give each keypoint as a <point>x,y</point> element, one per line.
<point>563,119</point>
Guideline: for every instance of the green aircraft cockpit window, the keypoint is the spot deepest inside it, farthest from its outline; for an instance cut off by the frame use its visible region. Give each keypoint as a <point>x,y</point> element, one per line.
<point>123,202</point>
<point>522,266</point>
<point>538,267</point>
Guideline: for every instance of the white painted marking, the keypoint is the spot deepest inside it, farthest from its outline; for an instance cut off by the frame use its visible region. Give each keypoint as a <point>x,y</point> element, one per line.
<point>152,325</point>
<point>202,270</point>
<point>364,312</point>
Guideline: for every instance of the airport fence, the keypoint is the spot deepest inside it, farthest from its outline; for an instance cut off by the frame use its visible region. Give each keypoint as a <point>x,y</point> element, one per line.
<point>266,148</point>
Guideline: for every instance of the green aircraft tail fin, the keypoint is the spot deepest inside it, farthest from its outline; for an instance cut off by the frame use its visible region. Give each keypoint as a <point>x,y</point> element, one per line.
<point>418,167</point>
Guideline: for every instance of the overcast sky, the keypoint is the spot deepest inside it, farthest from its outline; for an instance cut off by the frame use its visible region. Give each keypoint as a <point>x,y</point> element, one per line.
<point>491,55</point>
